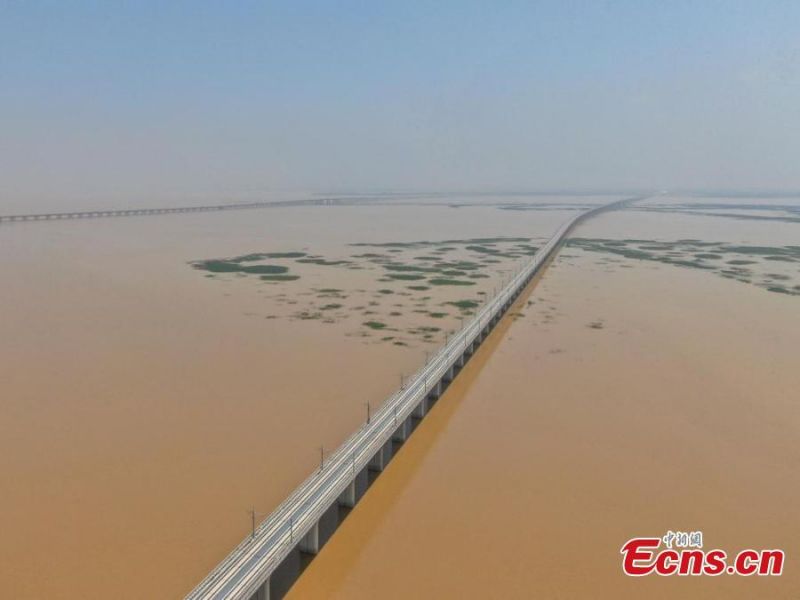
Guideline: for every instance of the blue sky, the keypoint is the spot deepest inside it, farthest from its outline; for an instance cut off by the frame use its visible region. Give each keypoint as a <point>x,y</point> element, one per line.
<point>124,100</point>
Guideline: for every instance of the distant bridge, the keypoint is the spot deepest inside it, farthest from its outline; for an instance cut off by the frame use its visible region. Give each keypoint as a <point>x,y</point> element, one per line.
<point>265,565</point>
<point>138,212</point>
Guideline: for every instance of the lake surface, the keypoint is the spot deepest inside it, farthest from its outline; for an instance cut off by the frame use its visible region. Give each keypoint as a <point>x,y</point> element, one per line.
<point>148,403</point>
<point>628,395</point>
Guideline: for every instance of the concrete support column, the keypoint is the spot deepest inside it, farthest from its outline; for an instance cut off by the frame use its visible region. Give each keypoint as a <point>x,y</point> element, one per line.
<point>348,496</point>
<point>436,390</point>
<point>451,372</point>
<point>421,408</point>
<point>355,489</point>
<point>327,525</point>
<point>285,575</point>
<point>310,542</point>
<point>403,431</point>
<point>382,457</point>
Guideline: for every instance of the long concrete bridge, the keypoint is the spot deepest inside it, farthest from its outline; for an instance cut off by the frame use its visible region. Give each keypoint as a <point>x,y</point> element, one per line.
<point>264,566</point>
<point>138,212</point>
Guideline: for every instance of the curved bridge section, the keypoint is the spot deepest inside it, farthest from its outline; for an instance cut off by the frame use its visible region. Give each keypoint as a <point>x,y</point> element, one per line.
<point>264,566</point>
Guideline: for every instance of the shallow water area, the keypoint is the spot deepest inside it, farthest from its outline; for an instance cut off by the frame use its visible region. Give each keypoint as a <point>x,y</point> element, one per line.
<point>625,397</point>
<point>147,407</point>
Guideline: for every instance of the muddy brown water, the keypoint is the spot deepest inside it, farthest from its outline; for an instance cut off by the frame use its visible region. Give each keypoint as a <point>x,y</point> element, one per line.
<point>628,399</point>
<point>146,408</point>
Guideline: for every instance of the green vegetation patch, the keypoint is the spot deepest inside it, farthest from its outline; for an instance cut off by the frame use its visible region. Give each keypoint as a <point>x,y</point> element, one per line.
<point>410,268</point>
<point>483,249</point>
<point>461,265</point>
<point>308,316</point>
<point>265,269</point>
<point>375,324</point>
<point>279,277</point>
<point>323,262</point>
<point>708,255</point>
<point>779,289</point>
<point>235,265</point>
<point>406,276</point>
<point>740,261</point>
<point>217,266</point>
<point>492,251</point>
<point>688,263</point>
<point>443,281</point>
<point>765,250</point>
<point>672,253</point>
<point>464,304</point>
<point>265,255</point>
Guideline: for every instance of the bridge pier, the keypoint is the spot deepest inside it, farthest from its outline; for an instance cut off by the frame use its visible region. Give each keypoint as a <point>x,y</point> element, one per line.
<point>421,408</point>
<point>327,525</point>
<point>382,457</point>
<point>310,542</point>
<point>401,433</point>
<point>355,489</point>
<point>284,576</point>
<point>435,391</point>
<point>321,531</point>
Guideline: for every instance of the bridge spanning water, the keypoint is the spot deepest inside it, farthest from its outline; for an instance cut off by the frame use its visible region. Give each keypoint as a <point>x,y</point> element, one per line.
<point>140,212</point>
<point>265,565</point>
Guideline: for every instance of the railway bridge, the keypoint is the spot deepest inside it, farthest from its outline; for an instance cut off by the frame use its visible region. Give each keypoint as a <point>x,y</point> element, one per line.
<point>264,566</point>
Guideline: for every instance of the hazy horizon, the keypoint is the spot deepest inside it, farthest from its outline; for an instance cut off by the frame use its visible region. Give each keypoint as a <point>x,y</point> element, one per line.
<point>237,101</point>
